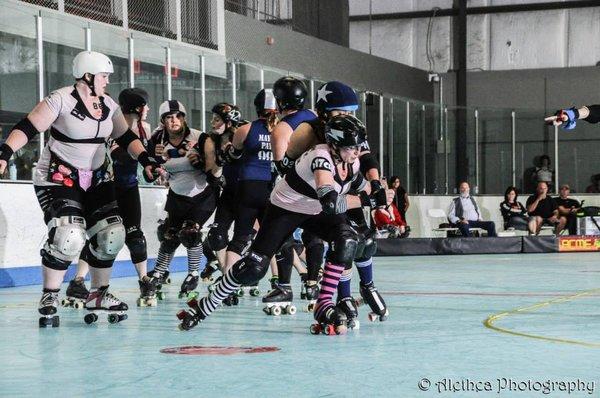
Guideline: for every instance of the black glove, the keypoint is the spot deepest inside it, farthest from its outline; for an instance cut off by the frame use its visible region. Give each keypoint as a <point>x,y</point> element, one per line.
<point>284,165</point>
<point>145,160</point>
<point>231,154</point>
<point>378,193</point>
<point>217,183</point>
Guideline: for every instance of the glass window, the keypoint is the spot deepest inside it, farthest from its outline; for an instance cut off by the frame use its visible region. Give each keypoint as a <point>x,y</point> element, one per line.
<point>533,141</point>
<point>247,86</point>
<point>272,75</point>
<point>218,83</point>
<point>186,80</point>
<point>399,141</point>
<point>18,82</point>
<point>495,151</point>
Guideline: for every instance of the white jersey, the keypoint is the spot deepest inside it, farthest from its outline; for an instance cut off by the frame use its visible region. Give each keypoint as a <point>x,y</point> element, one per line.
<point>297,192</point>
<point>186,180</point>
<point>76,137</point>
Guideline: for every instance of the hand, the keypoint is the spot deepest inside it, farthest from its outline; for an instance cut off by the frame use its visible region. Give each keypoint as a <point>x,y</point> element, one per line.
<point>464,221</point>
<point>3,165</point>
<point>390,196</point>
<point>542,196</point>
<point>152,172</point>
<point>565,117</point>
<point>553,219</point>
<point>193,157</point>
<point>159,150</point>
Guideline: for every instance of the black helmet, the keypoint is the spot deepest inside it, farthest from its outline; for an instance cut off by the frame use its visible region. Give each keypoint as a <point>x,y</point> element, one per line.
<point>228,113</point>
<point>290,93</point>
<point>132,98</point>
<point>265,102</point>
<point>344,131</point>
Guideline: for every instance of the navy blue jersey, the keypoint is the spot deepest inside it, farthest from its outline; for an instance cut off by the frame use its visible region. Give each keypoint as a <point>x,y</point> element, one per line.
<point>125,168</point>
<point>303,115</point>
<point>257,158</point>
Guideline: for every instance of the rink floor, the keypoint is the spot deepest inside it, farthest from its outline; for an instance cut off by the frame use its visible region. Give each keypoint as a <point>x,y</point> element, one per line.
<point>547,311</point>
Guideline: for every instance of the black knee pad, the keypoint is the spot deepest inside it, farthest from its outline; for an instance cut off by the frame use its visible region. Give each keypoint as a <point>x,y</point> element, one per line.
<point>189,235</point>
<point>136,243</point>
<point>251,268</point>
<point>369,249</point>
<point>170,244</point>
<point>216,239</point>
<point>342,249</point>
<point>161,230</point>
<point>52,262</point>
<point>239,244</point>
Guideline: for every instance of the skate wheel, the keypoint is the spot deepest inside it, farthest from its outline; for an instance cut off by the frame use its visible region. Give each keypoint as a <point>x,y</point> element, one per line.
<point>78,305</point>
<point>64,302</point>
<point>167,281</point>
<point>181,327</point>
<point>141,302</point>
<point>240,293</point>
<point>151,302</point>
<point>341,329</point>
<point>374,317</point>
<point>161,295</point>
<point>315,329</point>
<point>235,300</point>
<point>267,310</point>
<point>276,311</point>
<point>90,318</point>
<point>122,317</point>
<point>354,325</point>
<point>291,309</point>
<point>329,330</point>
<point>255,292</point>
<point>113,318</point>
<point>55,321</point>
<point>181,315</point>
<point>193,295</point>
<point>42,322</point>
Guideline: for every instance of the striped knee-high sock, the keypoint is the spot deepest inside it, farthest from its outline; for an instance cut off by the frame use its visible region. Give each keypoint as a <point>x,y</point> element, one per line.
<point>365,270</point>
<point>162,262</point>
<point>329,283</point>
<point>194,256</point>
<point>224,288</point>
<point>344,288</point>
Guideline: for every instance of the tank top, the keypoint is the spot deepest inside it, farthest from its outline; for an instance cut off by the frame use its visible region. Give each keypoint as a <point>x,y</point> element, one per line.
<point>294,119</point>
<point>257,158</point>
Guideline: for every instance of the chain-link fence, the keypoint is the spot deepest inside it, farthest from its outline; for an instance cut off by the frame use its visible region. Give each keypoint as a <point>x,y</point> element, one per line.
<point>199,23</point>
<point>152,16</point>
<point>107,11</point>
<point>276,12</point>
<point>44,3</point>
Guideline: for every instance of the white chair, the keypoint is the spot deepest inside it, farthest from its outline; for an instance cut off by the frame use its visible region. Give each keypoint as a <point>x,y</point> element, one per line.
<point>437,215</point>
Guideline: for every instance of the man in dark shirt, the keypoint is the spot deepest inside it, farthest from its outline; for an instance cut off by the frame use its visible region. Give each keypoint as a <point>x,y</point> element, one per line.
<point>543,210</point>
<point>567,208</point>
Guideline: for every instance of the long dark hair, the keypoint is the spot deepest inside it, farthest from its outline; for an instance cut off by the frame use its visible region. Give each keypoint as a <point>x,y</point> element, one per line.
<point>392,180</point>
<point>509,190</point>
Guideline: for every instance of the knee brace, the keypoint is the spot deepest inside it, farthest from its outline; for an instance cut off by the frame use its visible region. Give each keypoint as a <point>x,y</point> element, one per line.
<point>66,239</point>
<point>216,239</point>
<point>239,244</point>
<point>189,235</point>
<point>107,238</point>
<point>342,249</point>
<point>251,268</point>
<point>136,243</point>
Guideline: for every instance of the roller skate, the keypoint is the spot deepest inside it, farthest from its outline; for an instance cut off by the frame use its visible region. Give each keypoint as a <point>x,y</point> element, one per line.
<point>47,308</point>
<point>189,284</point>
<point>213,286</point>
<point>274,281</point>
<point>101,301</point>
<point>253,291</point>
<point>371,296</point>
<point>331,321</point>
<point>207,274</point>
<point>190,318</point>
<point>76,294</point>
<point>164,278</point>
<point>350,308</point>
<point>311,292</point>
<point>231,300</point>
<point>160,280</point>
<point>279,301</point>
<point>147,292</point>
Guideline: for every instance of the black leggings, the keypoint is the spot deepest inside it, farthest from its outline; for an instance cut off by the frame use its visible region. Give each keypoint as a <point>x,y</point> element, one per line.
<point>130,209</point>
<point>252,197</point>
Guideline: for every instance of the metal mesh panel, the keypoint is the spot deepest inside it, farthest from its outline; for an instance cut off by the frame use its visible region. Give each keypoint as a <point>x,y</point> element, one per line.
<point>156,17</point>
<point>108,11</point>
<point>199,23</point>
<point>276,12</point>
<point>44,3</point>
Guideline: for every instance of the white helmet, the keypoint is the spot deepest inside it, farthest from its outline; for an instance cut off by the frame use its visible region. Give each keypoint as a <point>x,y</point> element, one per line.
<point>169,107</point>
<point>91,62</point>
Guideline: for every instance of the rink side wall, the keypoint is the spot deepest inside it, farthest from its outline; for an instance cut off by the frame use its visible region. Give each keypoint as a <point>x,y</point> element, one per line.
<point>22,230</point>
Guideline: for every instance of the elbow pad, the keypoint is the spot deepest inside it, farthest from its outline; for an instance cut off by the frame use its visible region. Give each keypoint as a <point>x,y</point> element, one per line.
<point>127,138</point>
<point>6,152</point>
<point>232,154</point>
<point>594,116</point>
<point>331,202</point>
<point>26,127</point>
<point>284,165</point>
<point>368,161</point>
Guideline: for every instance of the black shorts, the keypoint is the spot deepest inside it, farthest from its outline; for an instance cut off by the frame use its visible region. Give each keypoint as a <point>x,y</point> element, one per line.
<point>130,208</point>
<point>198,208</point>
<point>278,224</point>
<point>252,197</point>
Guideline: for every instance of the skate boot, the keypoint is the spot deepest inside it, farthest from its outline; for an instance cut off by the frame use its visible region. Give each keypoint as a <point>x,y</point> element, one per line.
<point>147,292</point>
<point>190,318</point>
<point>159,280</point>
<point>311,289</point>
<point>213,286</point>
<point>207,274</point>
<point>231,300</point>
<point>274,282</point>
<point>47,309</point>
<point>331,321</point>
<point>371,296</point>
<point>101,301</point>
<point>303,286</point>
<point>350,308</point>
<point>164,278</point>
<point>279,301</point>
<point>189,284</point>
<point>76,294</point>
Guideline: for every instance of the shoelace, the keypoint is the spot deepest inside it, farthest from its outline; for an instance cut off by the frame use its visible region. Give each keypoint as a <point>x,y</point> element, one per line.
<point>48,299</point>
<point>112,299</point>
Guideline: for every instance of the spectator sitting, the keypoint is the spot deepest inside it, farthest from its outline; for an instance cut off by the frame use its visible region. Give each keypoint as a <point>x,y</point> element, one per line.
<point>464,213</point>
<point>544,173</point>
<point>513,212</point>
<point>567,208</point>
<point>542,210</point>
<point>389,218</point>
<point>401,197</point>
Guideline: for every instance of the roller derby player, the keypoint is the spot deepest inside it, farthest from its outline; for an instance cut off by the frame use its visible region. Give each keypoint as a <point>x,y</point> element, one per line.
<point>72,184</point>
<point>313,195</point>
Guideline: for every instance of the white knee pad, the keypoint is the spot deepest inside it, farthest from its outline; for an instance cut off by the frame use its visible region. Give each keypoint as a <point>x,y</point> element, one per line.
<point>110,238</point>
<point>66,237</point>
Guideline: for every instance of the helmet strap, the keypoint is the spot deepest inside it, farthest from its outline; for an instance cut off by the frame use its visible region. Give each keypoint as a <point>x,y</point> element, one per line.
<point>90,83</point>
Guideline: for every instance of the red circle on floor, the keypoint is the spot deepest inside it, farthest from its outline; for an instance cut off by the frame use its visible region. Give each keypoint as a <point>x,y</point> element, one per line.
<point>216,350</point>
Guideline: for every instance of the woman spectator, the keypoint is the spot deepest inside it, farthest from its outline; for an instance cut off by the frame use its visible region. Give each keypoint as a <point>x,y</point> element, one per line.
<point>401,197</point>
<point>389,218</point>
<point>513,212</point>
